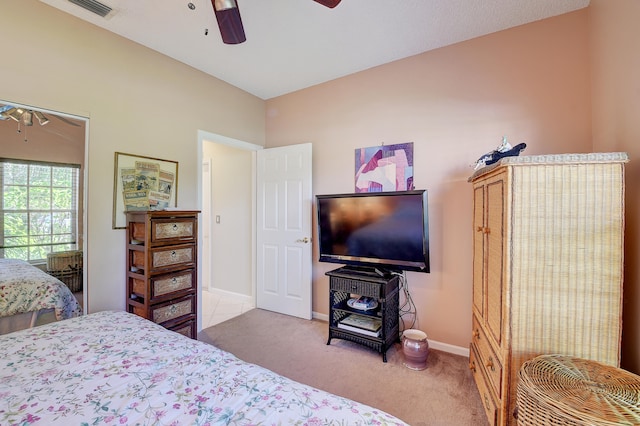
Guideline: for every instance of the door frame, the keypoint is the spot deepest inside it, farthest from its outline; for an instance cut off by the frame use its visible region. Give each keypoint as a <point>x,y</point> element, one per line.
<point>204,136</point>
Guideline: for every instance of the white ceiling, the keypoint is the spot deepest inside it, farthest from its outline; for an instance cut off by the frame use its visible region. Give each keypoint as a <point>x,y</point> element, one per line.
<point>294,44</point>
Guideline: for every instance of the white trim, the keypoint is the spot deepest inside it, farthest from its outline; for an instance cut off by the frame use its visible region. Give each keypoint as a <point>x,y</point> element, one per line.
<point>319,316</point>
<point>452,349</point>
<point>236,296</point>
<point>225,140</point>
<point>439,346</point>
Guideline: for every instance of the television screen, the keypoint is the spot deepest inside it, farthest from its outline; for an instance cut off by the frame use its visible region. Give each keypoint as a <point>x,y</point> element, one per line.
<point>384,230</point>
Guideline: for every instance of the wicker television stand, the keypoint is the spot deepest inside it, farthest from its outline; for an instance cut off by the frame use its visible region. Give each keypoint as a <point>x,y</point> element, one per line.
<point>345,284</point>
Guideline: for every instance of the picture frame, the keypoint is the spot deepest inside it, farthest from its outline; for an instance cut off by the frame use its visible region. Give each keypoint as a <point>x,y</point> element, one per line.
<point>142,183</point>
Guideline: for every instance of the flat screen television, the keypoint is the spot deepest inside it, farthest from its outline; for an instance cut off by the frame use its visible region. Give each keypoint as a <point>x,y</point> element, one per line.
<point>375,231</point>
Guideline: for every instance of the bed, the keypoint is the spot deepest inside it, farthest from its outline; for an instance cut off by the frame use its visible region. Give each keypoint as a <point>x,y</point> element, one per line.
<point>27,292</point>
<point>117,368</point>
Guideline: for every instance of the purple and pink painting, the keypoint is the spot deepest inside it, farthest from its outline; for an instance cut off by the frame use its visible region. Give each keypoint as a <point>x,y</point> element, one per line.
<point>384,168</point>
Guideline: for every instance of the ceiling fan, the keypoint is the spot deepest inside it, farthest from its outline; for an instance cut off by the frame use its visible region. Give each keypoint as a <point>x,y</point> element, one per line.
<point>230,23</point>
<point>25,116</point>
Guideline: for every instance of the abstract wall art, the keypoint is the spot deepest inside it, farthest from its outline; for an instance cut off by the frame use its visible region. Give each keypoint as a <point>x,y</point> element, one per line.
<point>384,168</point>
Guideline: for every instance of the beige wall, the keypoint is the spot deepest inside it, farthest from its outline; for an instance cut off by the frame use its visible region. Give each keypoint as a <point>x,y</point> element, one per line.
<point>615,69</point>
<point>137,101</point>
<point>531,83</point>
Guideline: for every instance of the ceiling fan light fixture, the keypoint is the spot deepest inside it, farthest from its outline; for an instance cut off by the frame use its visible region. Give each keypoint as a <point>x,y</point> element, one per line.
<point>41,118</point>
<point>14,114</point>
<point>229,21</point>
<point>27,118</point>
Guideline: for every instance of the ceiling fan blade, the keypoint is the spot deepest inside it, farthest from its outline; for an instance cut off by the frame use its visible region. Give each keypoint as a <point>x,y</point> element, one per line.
<point>328,3</point>
<point>229,21</point>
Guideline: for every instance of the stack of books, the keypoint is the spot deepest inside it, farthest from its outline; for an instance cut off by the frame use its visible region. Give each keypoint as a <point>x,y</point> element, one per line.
<point>368,326</point>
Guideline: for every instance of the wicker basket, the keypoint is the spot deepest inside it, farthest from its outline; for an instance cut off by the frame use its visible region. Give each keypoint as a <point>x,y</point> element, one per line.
<point>67,267</point>
<point>64,260</point>
<point>563,390</point>
<point>71,277</point>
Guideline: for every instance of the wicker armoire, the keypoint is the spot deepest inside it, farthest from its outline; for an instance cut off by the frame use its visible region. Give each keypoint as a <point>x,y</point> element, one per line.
<point>547,267</point>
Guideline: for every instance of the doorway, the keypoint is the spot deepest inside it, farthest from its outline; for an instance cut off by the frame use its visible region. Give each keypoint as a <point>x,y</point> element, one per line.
<point>227,227</point>
<point>279,246</point>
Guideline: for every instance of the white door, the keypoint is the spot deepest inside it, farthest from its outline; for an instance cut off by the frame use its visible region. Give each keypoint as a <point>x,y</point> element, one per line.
<point>283,230</point>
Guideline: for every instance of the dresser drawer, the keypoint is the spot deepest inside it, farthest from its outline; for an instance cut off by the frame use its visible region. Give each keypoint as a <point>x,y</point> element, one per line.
<point>362,288</point>
<point>173,229</point>
<point>173,256</point>
<point>173,310</point>
<point>166,285</point>
<point>163,258</point>
<point>487,358</point>
<point>488,402</point>
<point>185,328</point>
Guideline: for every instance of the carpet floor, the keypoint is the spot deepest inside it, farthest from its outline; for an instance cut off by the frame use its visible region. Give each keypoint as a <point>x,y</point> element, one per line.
<point>443,394</point>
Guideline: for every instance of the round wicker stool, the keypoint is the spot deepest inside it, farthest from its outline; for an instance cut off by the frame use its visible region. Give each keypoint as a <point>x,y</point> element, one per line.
<point>563,390</point>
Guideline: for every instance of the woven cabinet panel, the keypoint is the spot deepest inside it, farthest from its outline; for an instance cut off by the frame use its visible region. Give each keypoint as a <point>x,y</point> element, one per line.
<point>173,311</point>
<point>173,256</point>
<point>363,288</point>
<point>174,229</point>
<point>567,251</point>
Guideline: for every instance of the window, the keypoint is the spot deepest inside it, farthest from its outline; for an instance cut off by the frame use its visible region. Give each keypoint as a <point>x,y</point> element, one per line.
<point>38,209</point>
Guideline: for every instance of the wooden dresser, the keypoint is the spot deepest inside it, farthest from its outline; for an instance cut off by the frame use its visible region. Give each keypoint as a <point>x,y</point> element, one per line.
<point>162,268</point>
<point>547,267</point>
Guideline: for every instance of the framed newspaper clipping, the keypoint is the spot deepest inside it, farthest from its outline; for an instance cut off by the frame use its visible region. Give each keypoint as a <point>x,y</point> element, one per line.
<point>142,183</point>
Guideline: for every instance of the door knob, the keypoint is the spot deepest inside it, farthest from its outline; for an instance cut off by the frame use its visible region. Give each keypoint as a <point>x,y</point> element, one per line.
<point>303,240</point>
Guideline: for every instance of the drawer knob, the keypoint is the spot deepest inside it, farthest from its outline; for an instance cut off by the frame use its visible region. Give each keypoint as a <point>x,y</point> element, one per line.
<point>472,366</point>
<point>476,334</point>
<point>173,253</point>
<point>175,226</point>
<point>173,283</point>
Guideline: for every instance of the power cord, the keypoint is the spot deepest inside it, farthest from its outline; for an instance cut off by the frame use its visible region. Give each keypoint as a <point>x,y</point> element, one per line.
<point>407,308</point>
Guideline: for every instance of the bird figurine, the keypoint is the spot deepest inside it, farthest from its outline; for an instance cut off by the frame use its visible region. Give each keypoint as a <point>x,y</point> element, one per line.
<point>503,150</point>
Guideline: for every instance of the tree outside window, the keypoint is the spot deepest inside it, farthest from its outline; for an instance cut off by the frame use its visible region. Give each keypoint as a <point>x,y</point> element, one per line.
<point>39,209</point>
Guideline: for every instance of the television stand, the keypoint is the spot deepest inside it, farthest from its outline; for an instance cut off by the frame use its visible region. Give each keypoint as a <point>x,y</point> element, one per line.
<point>376,328</point>
<point>364,270</point>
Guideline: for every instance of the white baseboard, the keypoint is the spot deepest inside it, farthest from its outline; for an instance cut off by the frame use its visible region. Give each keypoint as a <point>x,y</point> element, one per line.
<point>452,349</point>
<point>236,296</point>
<point>321,317</point>
<point>444,347</point>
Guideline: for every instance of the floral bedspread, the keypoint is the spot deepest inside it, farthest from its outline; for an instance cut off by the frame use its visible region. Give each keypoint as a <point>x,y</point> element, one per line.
<point>25,288</point>
<point>115,368</point>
